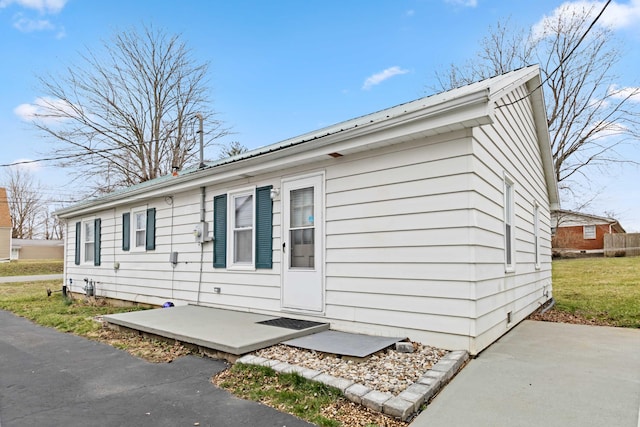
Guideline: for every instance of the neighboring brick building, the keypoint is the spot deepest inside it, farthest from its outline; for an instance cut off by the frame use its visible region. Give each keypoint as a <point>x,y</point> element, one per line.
<point>578,232</point>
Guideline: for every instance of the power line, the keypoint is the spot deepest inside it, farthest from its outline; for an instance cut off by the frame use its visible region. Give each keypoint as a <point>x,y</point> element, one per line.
<point>73,156</point>
<point>563,60</point>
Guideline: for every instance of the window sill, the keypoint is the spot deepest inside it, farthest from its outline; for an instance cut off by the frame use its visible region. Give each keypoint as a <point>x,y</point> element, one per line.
<point>240,267</point>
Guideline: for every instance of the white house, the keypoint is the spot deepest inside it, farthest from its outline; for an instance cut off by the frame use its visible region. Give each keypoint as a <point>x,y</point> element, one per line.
<point>428,220</point>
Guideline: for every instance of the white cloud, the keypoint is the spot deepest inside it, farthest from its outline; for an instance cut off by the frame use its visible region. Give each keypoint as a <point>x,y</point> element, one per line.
<point>410,12</point>
<point>42,6</point>
<point>616,16</point>
<point>41,108</point>
<point>29,25</point>
<point>633,93</point>
<point>378,78</point>
<point>26,112</point>
<point>465,3</point>
<point>26,165</point>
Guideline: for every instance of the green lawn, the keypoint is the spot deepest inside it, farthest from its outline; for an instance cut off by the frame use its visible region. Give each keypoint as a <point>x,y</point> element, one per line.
<point>607,289</point>
<point>30,300</point>
<point>30,268</point>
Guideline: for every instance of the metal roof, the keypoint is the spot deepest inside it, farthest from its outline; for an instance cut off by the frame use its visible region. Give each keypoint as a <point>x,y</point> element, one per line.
<point>489,90</point>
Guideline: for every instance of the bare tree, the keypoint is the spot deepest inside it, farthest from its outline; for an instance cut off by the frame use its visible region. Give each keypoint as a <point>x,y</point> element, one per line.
<point>125,114</point>
<point>52,228</point>
<point>588,113</point>
<point>233,149</point>
<point>25,203</point>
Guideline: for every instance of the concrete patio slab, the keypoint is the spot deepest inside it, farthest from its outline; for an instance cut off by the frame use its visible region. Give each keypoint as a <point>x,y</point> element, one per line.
<point>228,331</point>
<point>546,374</point>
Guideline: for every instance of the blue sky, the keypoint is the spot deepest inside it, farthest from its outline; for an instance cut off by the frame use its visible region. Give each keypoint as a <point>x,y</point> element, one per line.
<point>282,68</point>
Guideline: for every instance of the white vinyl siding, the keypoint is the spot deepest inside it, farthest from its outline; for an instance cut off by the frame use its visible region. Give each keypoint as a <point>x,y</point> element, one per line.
<point>510,144</point>
<point>397,234</point>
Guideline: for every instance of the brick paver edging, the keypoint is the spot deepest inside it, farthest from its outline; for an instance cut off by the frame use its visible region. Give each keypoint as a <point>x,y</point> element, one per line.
<point>401,406</point>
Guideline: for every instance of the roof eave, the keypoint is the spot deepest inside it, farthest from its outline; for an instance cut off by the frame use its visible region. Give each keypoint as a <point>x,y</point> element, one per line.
<point>534,86</point>
<point>470,109</point>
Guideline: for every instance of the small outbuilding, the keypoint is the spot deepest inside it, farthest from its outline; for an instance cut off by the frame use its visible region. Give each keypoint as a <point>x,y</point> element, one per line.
<point>429,220</point>
<point>31,249</point>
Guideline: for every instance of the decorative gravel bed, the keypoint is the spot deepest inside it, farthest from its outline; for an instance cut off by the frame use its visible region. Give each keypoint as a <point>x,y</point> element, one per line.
<point>385,371</point>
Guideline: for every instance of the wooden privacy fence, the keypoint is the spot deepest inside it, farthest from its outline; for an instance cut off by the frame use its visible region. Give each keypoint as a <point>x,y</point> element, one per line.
<point>622,244</point>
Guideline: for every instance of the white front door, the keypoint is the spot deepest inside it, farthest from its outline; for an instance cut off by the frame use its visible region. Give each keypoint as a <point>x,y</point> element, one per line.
<point>302,237</point>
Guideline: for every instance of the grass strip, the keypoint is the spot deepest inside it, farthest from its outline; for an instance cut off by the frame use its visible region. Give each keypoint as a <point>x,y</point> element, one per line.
<point>31,267</point>
<point>290,393</point>
<point>30,300</point>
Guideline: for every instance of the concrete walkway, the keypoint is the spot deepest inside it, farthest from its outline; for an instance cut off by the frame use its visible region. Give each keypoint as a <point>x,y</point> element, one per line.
<point>36,278</point>
<point>546,374</point>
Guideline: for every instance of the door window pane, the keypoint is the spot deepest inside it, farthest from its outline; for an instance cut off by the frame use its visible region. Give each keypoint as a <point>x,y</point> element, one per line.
<point>302,207</point>
<point>302,230</point>
<point>302,250</point>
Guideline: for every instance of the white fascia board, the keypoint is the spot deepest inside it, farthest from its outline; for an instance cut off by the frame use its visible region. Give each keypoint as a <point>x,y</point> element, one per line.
<point>544,140</point>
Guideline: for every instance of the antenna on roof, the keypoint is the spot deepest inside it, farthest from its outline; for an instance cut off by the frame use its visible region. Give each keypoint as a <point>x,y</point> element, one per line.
<point>201,132</point>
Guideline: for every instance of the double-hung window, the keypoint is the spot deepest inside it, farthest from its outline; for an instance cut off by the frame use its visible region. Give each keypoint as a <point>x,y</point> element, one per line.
<point>509,207</point>
<point>243,229</point>
<point>241,221</point>
<point>536,233</point>
<point>139,229</point>
<point>87,244</point>
<point>589,232</point>
<point>88,240</point>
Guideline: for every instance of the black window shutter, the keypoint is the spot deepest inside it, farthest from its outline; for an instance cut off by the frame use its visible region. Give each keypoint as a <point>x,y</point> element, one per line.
<point>220,231</point>
<point>96,243</point>
<point>264,228</point>
<point>126,230</point>
<point>78,242</point>
<point>151,229</point>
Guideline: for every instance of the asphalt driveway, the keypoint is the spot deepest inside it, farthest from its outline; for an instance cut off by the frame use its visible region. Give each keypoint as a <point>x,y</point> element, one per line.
<point>546,374</point>
<point>48,378</point>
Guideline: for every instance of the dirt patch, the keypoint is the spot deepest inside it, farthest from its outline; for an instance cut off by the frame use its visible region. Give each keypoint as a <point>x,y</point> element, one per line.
<point>352,414</point>
<point>137,345</point>
<point>557,316</point>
